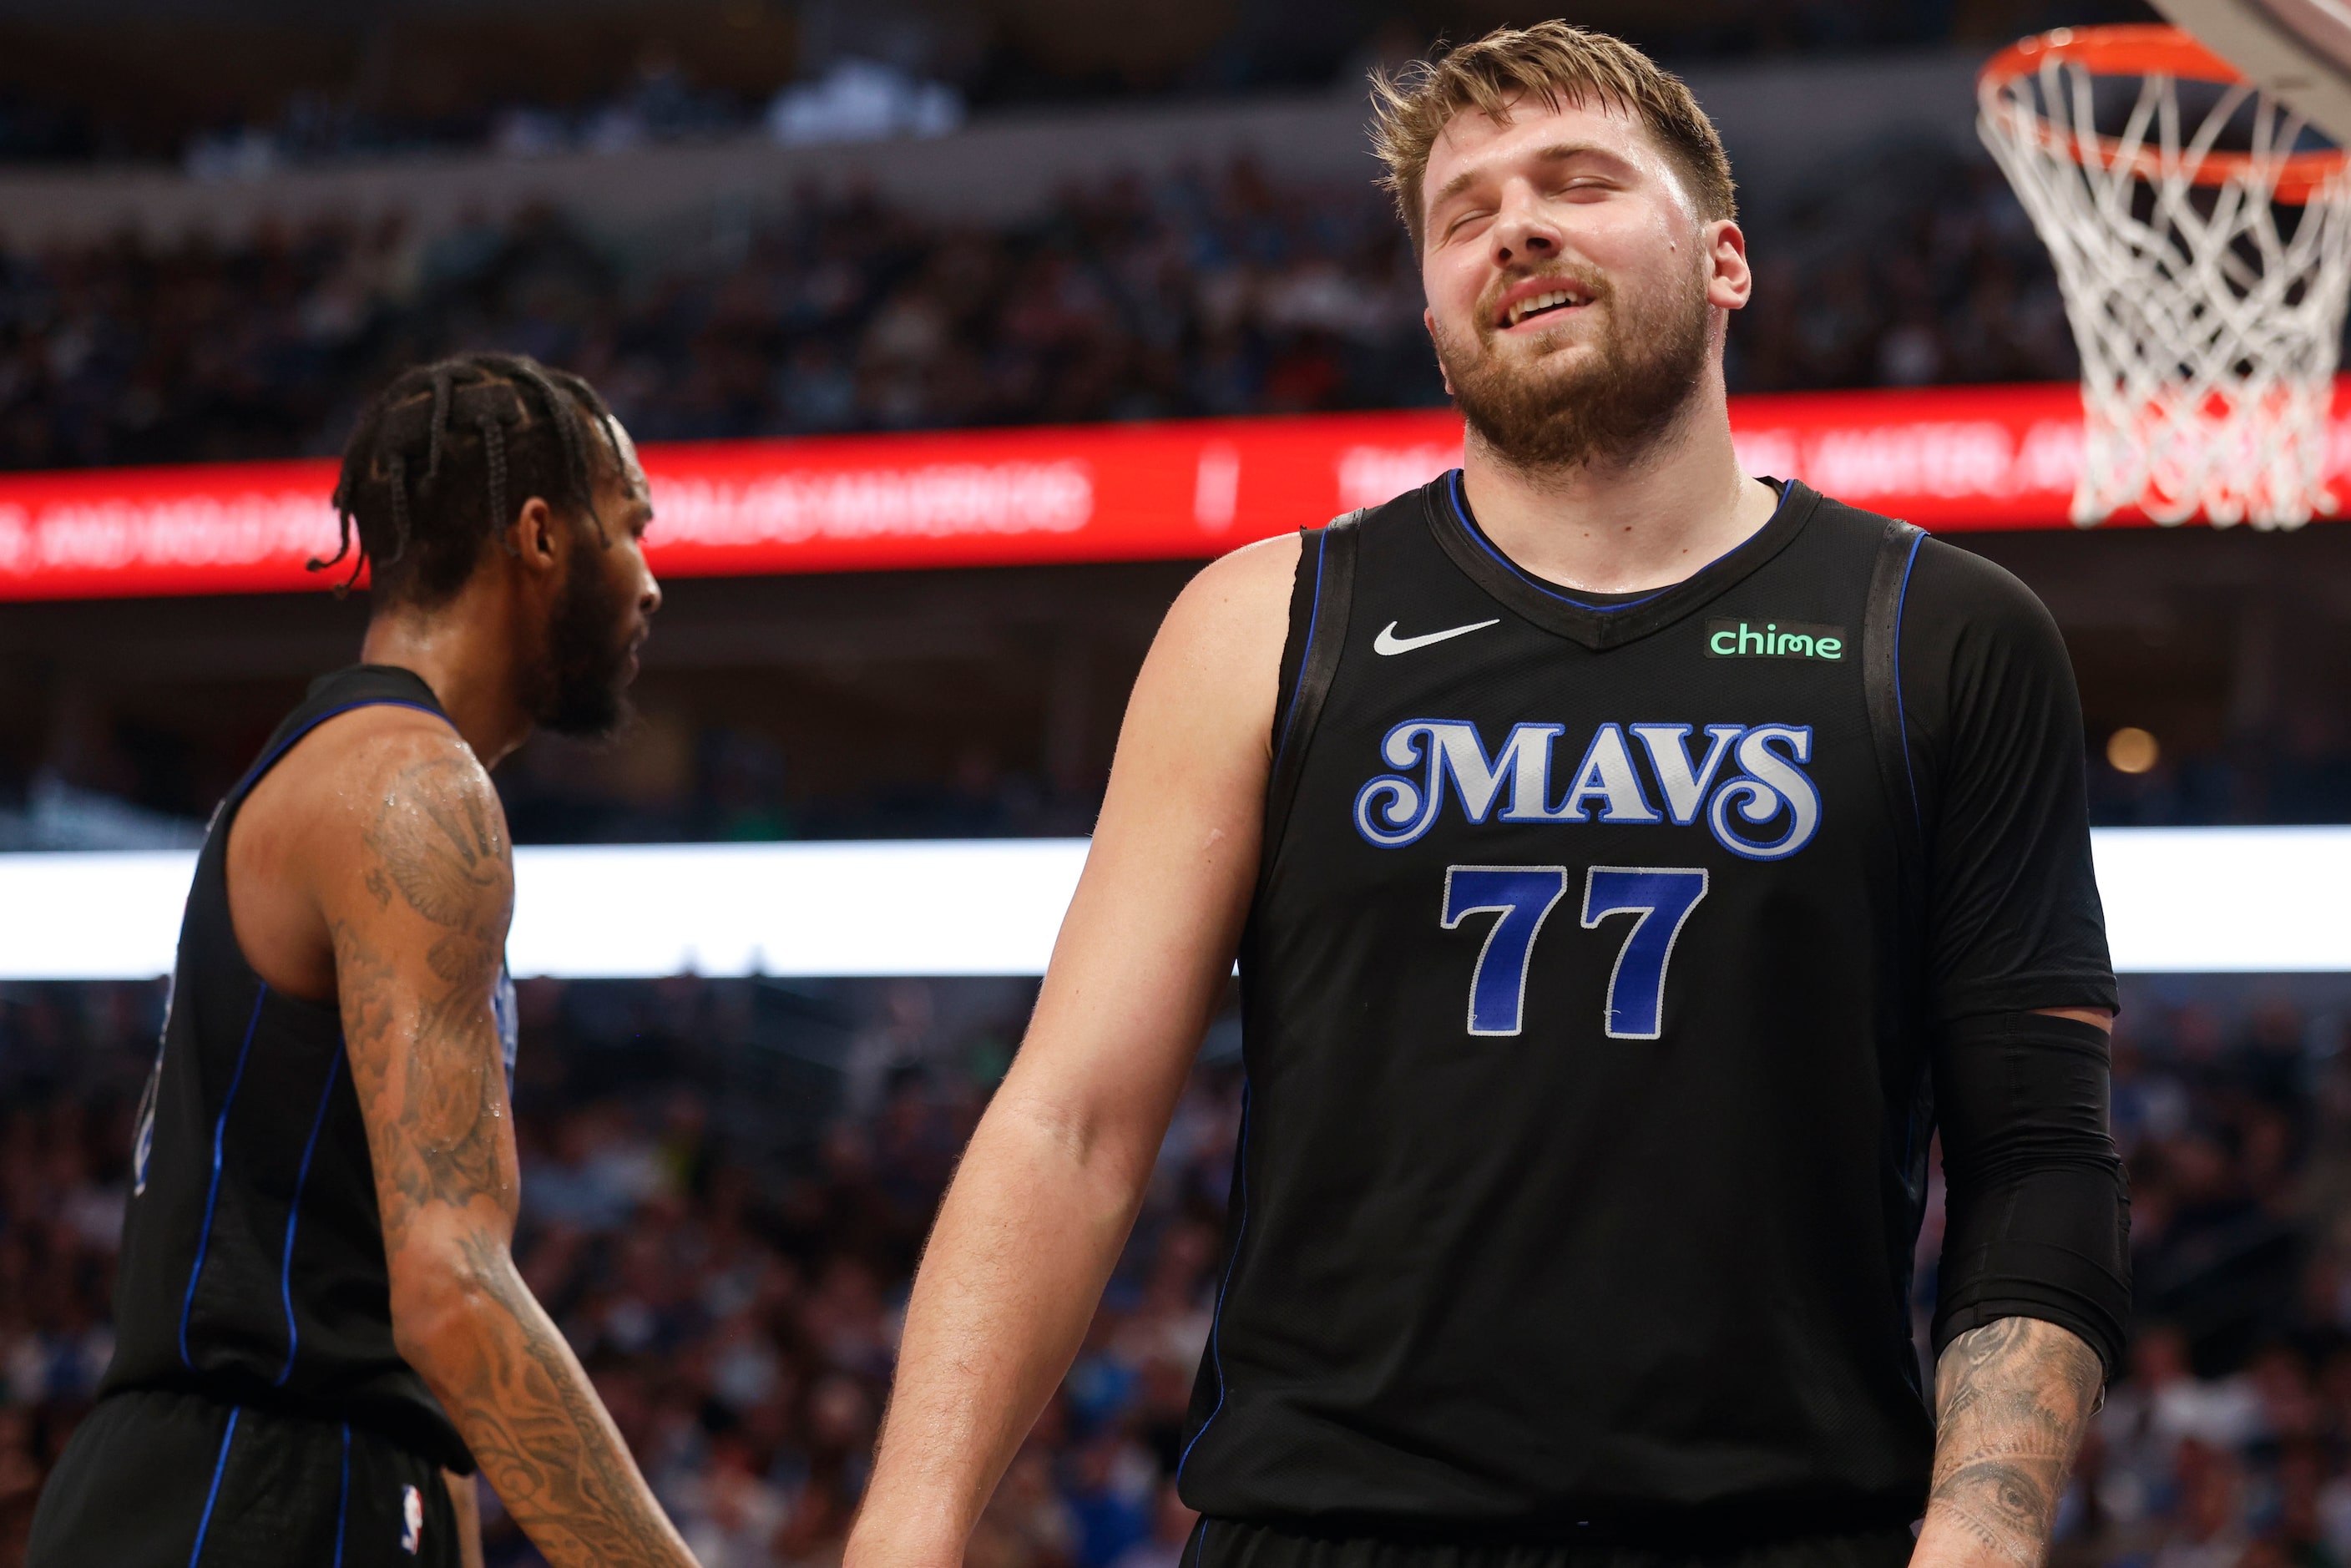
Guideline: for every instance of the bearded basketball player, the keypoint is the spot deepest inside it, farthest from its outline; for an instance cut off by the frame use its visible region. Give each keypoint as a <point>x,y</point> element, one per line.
<point>1631,863</point>
<point>321,1331</point>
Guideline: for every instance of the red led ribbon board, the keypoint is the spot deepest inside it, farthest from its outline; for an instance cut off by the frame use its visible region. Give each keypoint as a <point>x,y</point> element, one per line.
<point>1946,458</point>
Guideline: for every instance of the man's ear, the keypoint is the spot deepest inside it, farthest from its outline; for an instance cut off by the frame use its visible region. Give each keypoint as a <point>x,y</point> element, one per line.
<point>533,535</point>
<point>1730,279</point>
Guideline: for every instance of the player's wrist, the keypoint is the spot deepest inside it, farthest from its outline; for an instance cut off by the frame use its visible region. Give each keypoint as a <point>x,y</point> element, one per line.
<point>887,1536</point>
<point>898,1552</point>
<point>1945,1543</point>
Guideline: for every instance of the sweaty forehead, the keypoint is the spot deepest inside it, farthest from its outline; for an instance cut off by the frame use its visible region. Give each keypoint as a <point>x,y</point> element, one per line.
<point>1474,142</point>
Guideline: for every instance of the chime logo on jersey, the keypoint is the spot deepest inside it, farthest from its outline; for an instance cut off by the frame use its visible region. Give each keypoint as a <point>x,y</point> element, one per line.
<point>1774,639</point>
<point>1746,780</point>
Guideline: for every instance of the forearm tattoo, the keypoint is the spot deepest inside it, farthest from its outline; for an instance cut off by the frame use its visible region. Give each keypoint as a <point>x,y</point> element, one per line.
<point>425,1063</point>
<point>545,1441</point>
<point>2012,1402</point>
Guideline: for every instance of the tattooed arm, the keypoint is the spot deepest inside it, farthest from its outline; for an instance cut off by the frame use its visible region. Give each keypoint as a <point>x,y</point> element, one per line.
<point>2012,1402</point>
<point>418,912</point>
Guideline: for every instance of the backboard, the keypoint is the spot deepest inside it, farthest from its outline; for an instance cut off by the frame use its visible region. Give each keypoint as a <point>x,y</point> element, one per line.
<point>2297,50</point>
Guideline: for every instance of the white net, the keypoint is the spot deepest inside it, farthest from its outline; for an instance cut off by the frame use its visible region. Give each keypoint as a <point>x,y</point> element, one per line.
<point>2209,328</point>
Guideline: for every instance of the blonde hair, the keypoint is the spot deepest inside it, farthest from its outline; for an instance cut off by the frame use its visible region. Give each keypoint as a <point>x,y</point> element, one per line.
<point>1553,63</point>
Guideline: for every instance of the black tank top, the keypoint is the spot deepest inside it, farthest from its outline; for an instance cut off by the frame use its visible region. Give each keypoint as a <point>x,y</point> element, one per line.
<point>253,1263</point>
<point>1582,1149</point>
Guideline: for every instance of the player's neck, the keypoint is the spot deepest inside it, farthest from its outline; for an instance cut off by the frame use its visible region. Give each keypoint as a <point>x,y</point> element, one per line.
<point>1620,527</point>
<point>466,651</point>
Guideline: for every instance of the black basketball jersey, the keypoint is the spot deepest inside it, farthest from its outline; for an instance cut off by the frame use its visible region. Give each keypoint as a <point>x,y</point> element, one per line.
<point>253,1263</point>
<point>1586,997</point>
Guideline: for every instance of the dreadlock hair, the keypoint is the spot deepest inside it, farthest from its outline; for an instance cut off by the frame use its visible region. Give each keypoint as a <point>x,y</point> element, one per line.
<point>441,458</point>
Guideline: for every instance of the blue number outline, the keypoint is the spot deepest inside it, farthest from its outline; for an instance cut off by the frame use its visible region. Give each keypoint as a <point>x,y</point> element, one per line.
<point>1451,917</point>
<point>1593,917</point>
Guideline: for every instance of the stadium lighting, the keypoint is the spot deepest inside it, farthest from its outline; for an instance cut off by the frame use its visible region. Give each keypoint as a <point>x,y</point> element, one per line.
<point>2178,899</point>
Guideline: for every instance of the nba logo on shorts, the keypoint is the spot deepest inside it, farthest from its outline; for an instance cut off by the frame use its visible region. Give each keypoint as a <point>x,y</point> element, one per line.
<point>412,1520</point>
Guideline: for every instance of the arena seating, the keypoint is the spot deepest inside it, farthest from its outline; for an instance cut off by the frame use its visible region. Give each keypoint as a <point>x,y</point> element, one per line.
<point>726,1182</point>
<point>1205,291</point>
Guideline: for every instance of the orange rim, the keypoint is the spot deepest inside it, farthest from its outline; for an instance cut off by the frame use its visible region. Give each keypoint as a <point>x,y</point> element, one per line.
<point>2147,50</point>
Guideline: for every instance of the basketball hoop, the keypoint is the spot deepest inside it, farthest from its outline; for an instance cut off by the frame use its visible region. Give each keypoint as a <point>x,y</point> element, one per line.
<point>2208,331</point>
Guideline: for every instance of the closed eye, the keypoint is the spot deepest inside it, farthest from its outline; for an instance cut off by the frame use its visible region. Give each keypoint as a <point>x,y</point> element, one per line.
<point>1586,187</point>
<point>1467,220</point>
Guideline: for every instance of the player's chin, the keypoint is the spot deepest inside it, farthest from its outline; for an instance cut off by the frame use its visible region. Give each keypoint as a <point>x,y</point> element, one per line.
<point>1553,357</point>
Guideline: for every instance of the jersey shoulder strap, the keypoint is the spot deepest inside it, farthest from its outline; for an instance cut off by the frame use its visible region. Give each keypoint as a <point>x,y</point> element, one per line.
<point>1319,599</point>
<point>1881,651</point>
<point>1896,554</point>
<point>354,686</point>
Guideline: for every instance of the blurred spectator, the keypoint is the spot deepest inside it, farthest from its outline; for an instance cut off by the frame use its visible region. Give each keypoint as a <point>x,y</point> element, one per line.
<point>867,70</point>
<point>1195,293</point>
<point>839,314</point>
<point>2209,1522</point>
<point>1198,292</point>
<point>1171,1527</point>
<point>738,1303</point>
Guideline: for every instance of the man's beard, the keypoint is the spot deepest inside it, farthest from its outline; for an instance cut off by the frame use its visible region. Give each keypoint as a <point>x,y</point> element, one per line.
<point>1612,405</point>
<point>577,685</point>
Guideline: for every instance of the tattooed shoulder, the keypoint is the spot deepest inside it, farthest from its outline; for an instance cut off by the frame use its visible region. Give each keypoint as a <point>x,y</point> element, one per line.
<point>438,840</point>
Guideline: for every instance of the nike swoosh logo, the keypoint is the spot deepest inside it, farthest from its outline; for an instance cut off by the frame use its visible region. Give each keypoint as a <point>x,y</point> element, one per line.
<point>1387,641</point>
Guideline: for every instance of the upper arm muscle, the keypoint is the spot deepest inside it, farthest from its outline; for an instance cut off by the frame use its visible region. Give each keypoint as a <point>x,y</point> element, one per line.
<point>417,907</point>
<point>1149,939</point>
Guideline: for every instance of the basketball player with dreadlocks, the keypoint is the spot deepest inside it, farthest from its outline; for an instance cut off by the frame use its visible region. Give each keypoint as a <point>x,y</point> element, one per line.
<point>1631,863</point>
<point>320,1331</point>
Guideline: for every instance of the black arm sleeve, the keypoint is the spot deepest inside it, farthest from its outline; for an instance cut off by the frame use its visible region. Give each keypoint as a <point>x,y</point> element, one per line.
<point>2039,1217</point>
<point>2039,1222</point>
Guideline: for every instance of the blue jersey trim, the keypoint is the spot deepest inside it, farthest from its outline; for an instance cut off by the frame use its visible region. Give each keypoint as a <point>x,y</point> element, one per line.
<point>1232,1265</point>
<point>211,1195</point>
<point>252,775</point>
<point>1918,1208</point>
<point>294,1212</point>
<point>1456,492</point>
<point>343,1497</point>
<point>1901,725</point>
<point>220,1468</point>
<point>1313,615</point>
<point>269,759</point>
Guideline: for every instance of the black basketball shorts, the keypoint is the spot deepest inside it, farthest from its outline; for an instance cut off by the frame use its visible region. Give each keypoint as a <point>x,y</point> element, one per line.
<point>1223,1543</point>
<point>154,1479</point>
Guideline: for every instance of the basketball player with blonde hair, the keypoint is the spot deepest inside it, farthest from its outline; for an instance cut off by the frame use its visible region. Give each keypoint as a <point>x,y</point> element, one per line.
<point>1633,864</point>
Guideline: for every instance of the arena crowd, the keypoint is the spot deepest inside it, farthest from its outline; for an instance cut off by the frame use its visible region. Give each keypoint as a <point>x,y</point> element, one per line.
<point>1204,292</point>
<point>841,72</point>
<point>725,1185</point>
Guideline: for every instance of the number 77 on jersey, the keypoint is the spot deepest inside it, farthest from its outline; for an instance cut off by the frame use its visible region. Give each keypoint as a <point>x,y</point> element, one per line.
<point>1659,898</point>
